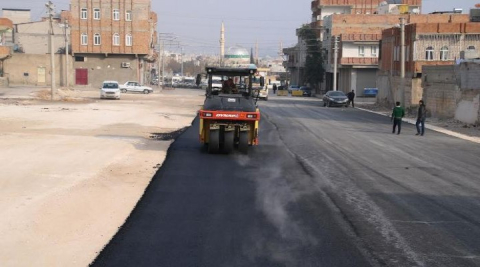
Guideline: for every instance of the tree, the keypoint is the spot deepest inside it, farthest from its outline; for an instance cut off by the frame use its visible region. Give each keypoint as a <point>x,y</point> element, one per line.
<point>314,70</point>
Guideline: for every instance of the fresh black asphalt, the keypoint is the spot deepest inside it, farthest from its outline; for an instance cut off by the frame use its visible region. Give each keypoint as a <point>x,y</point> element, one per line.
<point>326,187</point>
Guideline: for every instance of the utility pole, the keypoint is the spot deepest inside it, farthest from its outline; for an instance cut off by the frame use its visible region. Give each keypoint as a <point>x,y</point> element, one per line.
<point>402,59</point>
<point>50,8</point>
<point>335,63</point>
<point>163,63</point>
<point>67,53</point>
<point>181,54</point>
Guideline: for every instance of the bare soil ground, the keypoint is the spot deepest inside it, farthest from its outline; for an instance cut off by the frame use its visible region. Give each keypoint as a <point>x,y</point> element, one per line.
<point>73,169</point>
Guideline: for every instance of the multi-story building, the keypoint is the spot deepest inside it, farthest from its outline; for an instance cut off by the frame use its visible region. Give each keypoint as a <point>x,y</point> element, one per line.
<point>295,58</point>
<point>112,40</point>
<point>324,8</point>
<point>442,40</point>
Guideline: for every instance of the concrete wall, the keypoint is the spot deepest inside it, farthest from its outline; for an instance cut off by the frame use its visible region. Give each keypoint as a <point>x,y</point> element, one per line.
<point>390,90</point>
<point>24,69</point>
<point>101,68</point>
<point>34,37</point>
<point>453,91</point>
<point>17,15</point>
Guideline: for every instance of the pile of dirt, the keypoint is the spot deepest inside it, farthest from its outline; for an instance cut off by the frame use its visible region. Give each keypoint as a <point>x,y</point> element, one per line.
<point>62,94</point>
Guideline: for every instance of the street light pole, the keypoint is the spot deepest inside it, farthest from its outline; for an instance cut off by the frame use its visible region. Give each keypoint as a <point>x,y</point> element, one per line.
<point>335,63</point>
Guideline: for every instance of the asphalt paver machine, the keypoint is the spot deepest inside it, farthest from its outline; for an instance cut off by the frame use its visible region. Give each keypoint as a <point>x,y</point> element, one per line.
<point>230,118</point>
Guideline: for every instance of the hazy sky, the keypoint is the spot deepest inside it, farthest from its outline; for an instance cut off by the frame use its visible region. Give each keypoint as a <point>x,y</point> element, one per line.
<point>197,23</point>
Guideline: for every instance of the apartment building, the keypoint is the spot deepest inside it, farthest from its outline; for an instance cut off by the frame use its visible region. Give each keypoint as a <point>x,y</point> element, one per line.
<point>112,40</point>
<point>324,8</point>
<point>439,42</point>
<point>295,59</point>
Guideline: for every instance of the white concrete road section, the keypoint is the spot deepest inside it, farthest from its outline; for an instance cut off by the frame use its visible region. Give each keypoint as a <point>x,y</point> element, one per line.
<point>72,171</point>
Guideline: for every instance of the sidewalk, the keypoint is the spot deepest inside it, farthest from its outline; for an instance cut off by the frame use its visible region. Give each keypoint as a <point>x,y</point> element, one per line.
<point>470,134</point>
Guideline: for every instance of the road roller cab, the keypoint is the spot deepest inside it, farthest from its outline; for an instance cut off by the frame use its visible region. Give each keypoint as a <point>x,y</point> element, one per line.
<point>229,118</point>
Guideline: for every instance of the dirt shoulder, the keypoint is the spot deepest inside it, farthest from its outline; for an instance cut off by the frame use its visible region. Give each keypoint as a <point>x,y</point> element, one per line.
<point>73,170</point>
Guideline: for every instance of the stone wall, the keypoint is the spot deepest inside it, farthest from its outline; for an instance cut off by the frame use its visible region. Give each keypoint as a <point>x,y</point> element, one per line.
<point>453,91</point>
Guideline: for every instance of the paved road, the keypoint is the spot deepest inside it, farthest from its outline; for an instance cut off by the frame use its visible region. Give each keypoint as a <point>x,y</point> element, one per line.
<point>326,187</point>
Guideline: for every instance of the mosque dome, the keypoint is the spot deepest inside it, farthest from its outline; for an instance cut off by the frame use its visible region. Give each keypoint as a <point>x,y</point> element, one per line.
<point>237,52</point>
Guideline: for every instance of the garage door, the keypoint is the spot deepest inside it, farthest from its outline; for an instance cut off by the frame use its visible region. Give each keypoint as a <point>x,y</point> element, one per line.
<point>81,76</point>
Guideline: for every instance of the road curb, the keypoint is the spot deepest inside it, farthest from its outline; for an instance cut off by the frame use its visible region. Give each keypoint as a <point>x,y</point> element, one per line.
<point>433,128</point>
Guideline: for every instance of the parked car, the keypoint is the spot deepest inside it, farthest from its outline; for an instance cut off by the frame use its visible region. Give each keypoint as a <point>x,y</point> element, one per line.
<point>135,87</point>
<point>307,91</point>
<point>110,89</point>
<point>293,88</point>
<point>335,98</point>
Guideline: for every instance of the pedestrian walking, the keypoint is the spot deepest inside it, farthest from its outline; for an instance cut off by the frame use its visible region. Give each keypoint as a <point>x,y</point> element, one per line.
<point>421,117</point>
<point>397,115</point>
<point>351,98</point>
<point>274,88</point>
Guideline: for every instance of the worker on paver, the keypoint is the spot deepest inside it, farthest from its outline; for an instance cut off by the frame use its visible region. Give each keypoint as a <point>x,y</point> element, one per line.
<point>397,115</point>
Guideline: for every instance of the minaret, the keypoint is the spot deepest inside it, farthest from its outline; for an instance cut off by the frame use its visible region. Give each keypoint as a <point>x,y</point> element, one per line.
<point>222,44</point>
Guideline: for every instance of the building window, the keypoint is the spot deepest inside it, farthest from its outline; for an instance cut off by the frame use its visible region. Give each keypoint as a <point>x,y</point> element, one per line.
<point>129,40</point>
<point>116,39</point>
<point>471,48</point>
<point>84,39</point>
<point>444,53</point>
<point>374,51</point>
<point>97,40</point>
<point>116,14</point>
<point>83,13</point>
<point>361,51</point>
<point>128,15</point>
<point>96,13</point>
<point>429,53</point>
<point>79,59</point>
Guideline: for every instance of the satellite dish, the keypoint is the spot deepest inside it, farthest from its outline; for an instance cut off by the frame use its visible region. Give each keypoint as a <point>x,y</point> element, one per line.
<point>416,11</point>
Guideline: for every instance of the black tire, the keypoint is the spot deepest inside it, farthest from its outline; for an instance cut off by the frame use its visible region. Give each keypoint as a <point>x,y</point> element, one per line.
<point>266,98</point>
<point>228,141</point>
<point>243,143</point>
<point>214,142</point>
<point>146,92</point>
<point>124,91</point>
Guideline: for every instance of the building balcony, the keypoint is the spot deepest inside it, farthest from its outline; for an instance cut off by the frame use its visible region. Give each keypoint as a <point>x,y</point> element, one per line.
<point>360,37</point>
<point>361,61</point>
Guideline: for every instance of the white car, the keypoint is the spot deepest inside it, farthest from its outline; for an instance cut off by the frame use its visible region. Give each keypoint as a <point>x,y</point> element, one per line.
<point>110,89</point>
<point>135,87</point>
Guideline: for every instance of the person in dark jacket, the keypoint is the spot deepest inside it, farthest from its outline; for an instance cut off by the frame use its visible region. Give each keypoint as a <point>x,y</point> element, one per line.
<point>274,88</point>
<point>397,115</point>
<point>351,98</point>
<point>421,117</point>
